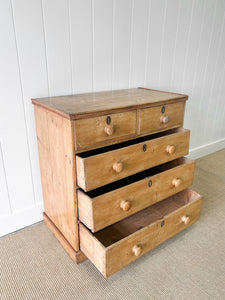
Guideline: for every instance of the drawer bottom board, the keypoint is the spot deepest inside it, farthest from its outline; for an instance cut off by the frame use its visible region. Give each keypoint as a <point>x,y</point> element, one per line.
<point>119,244</point>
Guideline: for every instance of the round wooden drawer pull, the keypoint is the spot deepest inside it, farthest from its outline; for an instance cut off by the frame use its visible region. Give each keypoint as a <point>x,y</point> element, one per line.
<point>186,219</point>
<point>136,250</point>
<point>118,167</point>
<point>170,149</point>
<point>109,129</point>
<point>164,119</point>
<point>125,205</point>
<point>176,182</point>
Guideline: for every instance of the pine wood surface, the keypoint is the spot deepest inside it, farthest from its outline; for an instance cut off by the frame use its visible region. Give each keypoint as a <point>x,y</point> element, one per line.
<point>90,104</point>
<point>124,149</point>
<point>96,130</point>
<point>113,248</point>
<point>100,211</point>
<point>57,164</point>
<point>152,119</point>
<point>132,157</point>
<point>77,256</point>
<point>126,125</point>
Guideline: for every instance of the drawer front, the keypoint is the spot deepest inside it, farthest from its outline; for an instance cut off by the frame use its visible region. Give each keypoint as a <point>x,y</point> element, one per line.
<point>97,170</point>
<point>110,257</point>
<point>161,117</point>
<point>101,129</point>
<point>101,211</point>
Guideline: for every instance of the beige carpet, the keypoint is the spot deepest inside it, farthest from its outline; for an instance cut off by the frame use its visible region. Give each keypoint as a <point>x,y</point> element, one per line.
<point>191,265</point>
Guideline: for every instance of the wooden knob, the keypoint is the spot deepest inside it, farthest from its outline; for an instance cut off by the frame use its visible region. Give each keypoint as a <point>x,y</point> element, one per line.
<point>136,250</point>
<point>170,149</point>
<point>176,182</point>
<point>164,119</point>
<point>118,167</point>
<point>109,129</point>
<point>125,205</point>
<point>186,219</point>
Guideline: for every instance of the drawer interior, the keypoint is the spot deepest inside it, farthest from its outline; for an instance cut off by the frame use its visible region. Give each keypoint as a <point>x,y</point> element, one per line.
<point>129,143</point>
<point>137,234</point>
<point>137,177</point>
<point>158,211</point>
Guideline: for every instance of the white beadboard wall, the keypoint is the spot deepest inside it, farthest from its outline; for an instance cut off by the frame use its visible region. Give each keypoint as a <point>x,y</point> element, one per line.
<point>57,47</point>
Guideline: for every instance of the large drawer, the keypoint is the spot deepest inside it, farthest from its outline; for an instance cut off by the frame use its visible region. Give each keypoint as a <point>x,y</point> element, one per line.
<point>118,245</point>
<point>106,205</point>
<point>102,129</point>
<point>162,117</point>
<point>101,166</point>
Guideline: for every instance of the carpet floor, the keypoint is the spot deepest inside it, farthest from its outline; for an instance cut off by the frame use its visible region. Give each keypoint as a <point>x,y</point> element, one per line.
<point>191,265</point>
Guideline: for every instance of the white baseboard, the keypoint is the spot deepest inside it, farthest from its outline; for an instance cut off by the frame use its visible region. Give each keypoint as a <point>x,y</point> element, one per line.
<point>19,220</point>
<point>207,149</point>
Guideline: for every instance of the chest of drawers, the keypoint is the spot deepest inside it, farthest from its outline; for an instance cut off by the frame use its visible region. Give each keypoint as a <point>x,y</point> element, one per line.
<point>113,173</point>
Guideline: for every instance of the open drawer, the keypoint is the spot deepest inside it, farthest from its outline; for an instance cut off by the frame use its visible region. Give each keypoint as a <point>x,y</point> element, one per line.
<point>111,203</point>
<point>99,167</point>
<point>119,244</point>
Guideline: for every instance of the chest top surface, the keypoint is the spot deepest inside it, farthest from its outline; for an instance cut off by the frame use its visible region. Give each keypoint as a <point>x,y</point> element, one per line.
<point>84,105</point>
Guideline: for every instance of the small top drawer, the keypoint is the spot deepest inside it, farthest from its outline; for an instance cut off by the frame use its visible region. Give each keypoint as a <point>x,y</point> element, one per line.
<point>161,117</point>
<point>100,129</point>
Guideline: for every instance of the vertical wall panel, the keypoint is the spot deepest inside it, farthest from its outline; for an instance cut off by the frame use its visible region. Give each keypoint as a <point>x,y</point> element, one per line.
<point>32,64</point>
<point>168,44</point>
<point>202,62</point>
<point>156,30</point>
<point>102,39</point>
<point>12,118</point>
<point>56,28</point>
<point>222,129</point>
<point>213,78</point>
<point>182,43</point>
<point>81,45</point>
<point>121,44</point>
<point>4,196</point>
<point>193,45</point>
<point>191,61</point>
<point>219,128</point>
<point>139,39</point>
<point>210,68</point>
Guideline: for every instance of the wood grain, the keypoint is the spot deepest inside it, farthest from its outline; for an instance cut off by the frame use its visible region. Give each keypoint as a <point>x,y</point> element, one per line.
<point>126,212</point>
<point>95,130</point>
<point>92,248</point>
<point>91,104</point>
<point>146,229</point>
<point>152,119</point>
<point>103,210</point>
<point>77,256</point>
<point>57,164</point>
<point>133,158</point>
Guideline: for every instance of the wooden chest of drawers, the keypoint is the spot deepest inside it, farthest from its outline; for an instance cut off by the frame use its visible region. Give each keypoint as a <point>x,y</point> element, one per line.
<point>113,174</point>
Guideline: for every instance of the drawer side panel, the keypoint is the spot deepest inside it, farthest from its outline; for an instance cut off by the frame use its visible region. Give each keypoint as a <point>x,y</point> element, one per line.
<point>93,249</point>
<point>57,165</point>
